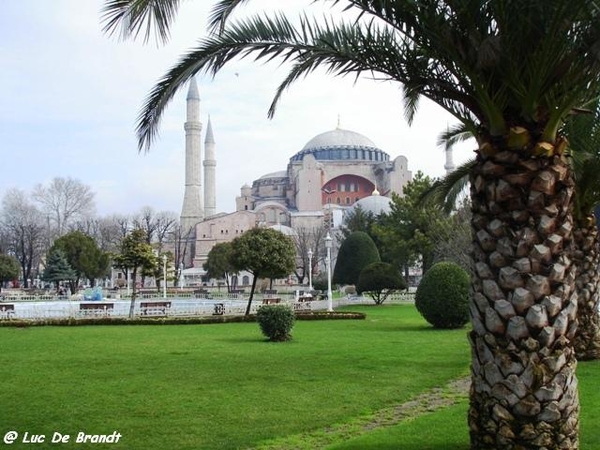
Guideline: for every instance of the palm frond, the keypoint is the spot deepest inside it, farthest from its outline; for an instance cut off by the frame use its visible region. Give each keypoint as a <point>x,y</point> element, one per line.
<point>583,133</point>
<point>455,134</point>
<point>221,12</point>
<point>129,18</point>
<point>465,55</point>
<point>342,48</point>
<point>411,101</point>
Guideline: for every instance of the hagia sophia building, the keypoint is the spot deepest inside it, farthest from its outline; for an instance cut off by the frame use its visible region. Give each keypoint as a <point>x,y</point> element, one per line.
<point>332,172</point>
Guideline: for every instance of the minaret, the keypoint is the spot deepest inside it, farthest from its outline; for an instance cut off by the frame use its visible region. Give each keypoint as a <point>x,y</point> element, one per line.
<point>449,166</point>
<point>210,164</point>
<point>192,211</point>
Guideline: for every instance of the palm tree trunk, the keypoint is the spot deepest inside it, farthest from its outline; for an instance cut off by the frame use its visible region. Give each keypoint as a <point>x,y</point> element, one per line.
<point>524,306</point>
<point>586,258</point>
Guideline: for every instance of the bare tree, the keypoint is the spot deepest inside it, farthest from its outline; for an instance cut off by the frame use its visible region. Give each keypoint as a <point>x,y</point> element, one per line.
<point>181,245</point>
<point>308,239</point>
<point>24,231</point>
<point>64,201</point>
<point>166,222</point>
<point>452,238</point>
<point>157,225</point>
<point>146,220</point>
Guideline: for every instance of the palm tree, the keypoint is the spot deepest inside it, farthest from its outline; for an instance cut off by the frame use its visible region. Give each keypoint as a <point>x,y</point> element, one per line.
<point>583,134</point>
<point>510,71</point>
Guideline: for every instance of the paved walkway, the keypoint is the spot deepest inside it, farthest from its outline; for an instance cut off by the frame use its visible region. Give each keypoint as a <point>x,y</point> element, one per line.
<point>429,401</point>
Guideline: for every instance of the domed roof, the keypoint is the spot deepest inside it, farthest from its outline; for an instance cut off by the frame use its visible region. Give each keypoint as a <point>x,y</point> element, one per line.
<point>339,138</point>
<point>340,144</point>
<point>375,204</point>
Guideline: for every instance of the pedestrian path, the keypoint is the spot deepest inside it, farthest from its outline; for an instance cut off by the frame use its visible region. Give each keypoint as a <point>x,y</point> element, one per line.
<point>429,401</point>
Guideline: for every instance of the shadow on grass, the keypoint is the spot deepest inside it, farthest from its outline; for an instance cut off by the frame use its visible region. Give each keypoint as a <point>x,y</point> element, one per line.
<point>419,328</point>
<point>395,446</point>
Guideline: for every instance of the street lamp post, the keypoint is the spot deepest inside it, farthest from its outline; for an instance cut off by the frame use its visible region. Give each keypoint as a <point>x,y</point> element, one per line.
<point>328,244</point>
<point>164,258</point>
<point>310,255</point>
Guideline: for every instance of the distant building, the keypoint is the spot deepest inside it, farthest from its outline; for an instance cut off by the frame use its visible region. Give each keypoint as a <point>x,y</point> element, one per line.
<point>332,172</point>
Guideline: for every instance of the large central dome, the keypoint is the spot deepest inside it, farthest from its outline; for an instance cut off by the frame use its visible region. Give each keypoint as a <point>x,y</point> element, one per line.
<point>339,138</point>
<point>341,144</point>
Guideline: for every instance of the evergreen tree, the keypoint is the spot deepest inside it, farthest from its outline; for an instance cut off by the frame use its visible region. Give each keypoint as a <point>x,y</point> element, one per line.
<point>84,256</point>
<point>9,269</point>
<point>356,252</point>
<point>58,268</point>
<point>408,231</point>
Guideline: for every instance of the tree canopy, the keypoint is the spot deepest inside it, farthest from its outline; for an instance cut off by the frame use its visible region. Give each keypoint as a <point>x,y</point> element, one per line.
<point>379,280</point>
<point>407,232</point>
<point>219,264</point>
<point>84,256</point>
<point>135,254</point>
<point>265,253</point>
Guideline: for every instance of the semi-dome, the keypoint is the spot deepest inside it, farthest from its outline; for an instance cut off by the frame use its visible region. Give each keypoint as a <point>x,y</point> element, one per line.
<point>278,174</point>
<point>283,229</point>
<point>375,204</point>
<point>340,144</point>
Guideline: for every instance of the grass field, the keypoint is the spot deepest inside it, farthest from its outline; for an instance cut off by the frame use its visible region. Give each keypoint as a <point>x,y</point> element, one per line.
<point>225,387</point>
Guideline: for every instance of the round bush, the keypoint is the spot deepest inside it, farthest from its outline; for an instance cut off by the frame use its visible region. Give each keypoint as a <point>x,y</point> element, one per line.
<point>442,297</point>
<point>276,322</point>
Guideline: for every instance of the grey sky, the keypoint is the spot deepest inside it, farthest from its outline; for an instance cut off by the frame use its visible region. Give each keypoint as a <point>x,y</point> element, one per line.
<point>71,96</point>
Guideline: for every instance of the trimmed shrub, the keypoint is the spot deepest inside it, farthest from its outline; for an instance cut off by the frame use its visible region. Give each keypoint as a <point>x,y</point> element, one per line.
<point>276,322</point>
<point>442,297</point>
<point>356,252</point>
<point>379,280</point>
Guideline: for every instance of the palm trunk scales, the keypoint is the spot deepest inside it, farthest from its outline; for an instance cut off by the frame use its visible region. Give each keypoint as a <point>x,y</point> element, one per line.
<point>524,305</point>
<point>586,258</point>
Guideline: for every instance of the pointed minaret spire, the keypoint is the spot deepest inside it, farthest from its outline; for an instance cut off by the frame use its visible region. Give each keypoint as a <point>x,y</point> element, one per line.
<point>339,123</point>
<point>193,90</point>
<point>192,211</point>
<point>210,165</point>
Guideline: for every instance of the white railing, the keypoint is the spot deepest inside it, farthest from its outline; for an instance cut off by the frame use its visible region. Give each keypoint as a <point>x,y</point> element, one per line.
<point>155,306</point>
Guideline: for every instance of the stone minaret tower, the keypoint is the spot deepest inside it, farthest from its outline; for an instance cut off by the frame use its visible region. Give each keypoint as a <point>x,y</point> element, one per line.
<point>449,166</point>
<point>210,164</point>
<point>192,211</point>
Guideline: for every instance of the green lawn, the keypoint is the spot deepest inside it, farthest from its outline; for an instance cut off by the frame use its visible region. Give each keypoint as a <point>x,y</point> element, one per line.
<point>223,387</point>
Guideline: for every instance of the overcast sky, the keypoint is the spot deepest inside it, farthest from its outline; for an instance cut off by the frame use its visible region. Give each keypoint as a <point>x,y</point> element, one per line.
<point>71,96</point>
